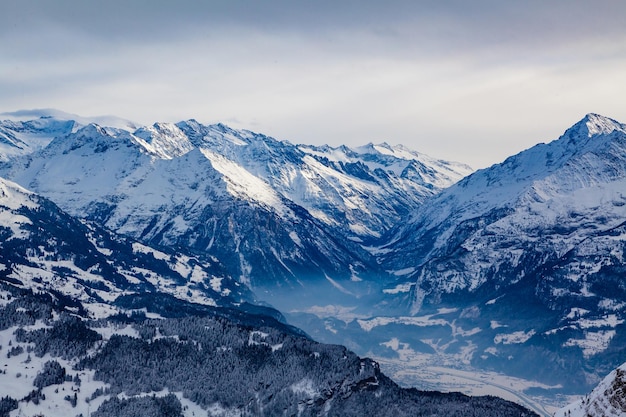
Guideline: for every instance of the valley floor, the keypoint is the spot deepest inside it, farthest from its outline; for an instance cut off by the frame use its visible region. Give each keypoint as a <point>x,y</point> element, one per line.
<point>427,372</point>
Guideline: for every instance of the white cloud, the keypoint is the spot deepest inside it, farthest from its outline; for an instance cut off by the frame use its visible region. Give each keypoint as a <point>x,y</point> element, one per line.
<point>470,81</point>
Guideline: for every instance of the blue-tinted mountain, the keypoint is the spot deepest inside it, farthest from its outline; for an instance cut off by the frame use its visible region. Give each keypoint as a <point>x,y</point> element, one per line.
<point>531,252</point>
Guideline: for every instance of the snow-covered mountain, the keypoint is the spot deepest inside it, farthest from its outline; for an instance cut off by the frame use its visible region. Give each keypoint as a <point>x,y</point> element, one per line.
<point>608,399</point>
<point>27,131</point>
<point>43,249</point>
<point>564,191</point>
<point>516,268</point>
<point>79,121</point>
<point>275,214</point>
<point>22,138</point>
<point>95,324</point>
<point>531,252</point>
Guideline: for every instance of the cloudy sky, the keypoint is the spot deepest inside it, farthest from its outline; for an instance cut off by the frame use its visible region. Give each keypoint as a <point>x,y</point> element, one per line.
<point>472,81</point>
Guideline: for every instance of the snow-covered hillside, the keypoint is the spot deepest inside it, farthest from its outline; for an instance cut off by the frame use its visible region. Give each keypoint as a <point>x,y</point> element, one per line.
<point>563,191</point>
<point>22,138</point>
<point>44,249</point>
<point>27,131</point>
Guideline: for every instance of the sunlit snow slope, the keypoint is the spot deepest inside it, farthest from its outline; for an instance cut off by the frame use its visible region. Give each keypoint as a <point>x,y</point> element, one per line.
<point>608,399</point>
<point>275,214</point>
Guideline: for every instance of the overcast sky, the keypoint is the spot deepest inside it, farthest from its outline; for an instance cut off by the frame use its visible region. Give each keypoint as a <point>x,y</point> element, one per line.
<point>472,81</point>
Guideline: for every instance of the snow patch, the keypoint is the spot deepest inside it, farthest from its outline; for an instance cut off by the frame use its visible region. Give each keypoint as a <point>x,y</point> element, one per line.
<point>593,343</point>
<point>423,321</point>
<point>513,338</point>
<point>242,183</point>
<point>343,313</point>
<point>400,288</point>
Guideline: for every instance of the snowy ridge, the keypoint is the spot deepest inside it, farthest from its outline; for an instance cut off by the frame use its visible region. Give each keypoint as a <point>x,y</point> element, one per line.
<point>78,121</point>
<point>594,124</point>
<point>398,159</point>
<point>538,169</point>
<point>608,399</point>
<point>369,178</point>
<point>12,198</point>
<point>271,211</point>
<point>22,138</point>
<point>165,140</point>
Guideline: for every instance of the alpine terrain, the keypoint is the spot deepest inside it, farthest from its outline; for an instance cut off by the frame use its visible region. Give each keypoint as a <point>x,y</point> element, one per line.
<point>514,271</point>
<point>526,259</point>
<point>279,217</point>
<point>92,323</point>
<point>608,399</point>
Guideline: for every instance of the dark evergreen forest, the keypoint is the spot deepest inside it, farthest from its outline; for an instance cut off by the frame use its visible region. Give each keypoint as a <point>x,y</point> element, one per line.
<point>239,361</point>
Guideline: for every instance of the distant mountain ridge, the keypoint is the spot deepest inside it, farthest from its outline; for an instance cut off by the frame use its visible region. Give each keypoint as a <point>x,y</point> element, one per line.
<point>275,214</point>
<point>59,115</point>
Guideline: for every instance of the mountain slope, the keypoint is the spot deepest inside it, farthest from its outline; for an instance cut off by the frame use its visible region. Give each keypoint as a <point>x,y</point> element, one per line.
<point>276,215</point>
<point>27,131</point>
<point>44,249</point>
<point>532,250</point>
<point>24,137</point>
<point>538,190</point>
<point>608,399</point>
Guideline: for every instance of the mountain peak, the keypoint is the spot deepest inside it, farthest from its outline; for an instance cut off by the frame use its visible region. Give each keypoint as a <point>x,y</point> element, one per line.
<point>595,124</point>
<point>92,129</point>
<point>166,140</point>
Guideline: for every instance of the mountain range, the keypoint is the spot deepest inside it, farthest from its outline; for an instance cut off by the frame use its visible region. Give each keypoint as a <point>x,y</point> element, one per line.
<point>93,323</point>
<point>515,268</point>
<point>275,214</point>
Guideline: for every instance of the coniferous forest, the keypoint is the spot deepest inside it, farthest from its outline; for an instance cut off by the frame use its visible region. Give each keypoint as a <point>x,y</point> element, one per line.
<point>241,364</point>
